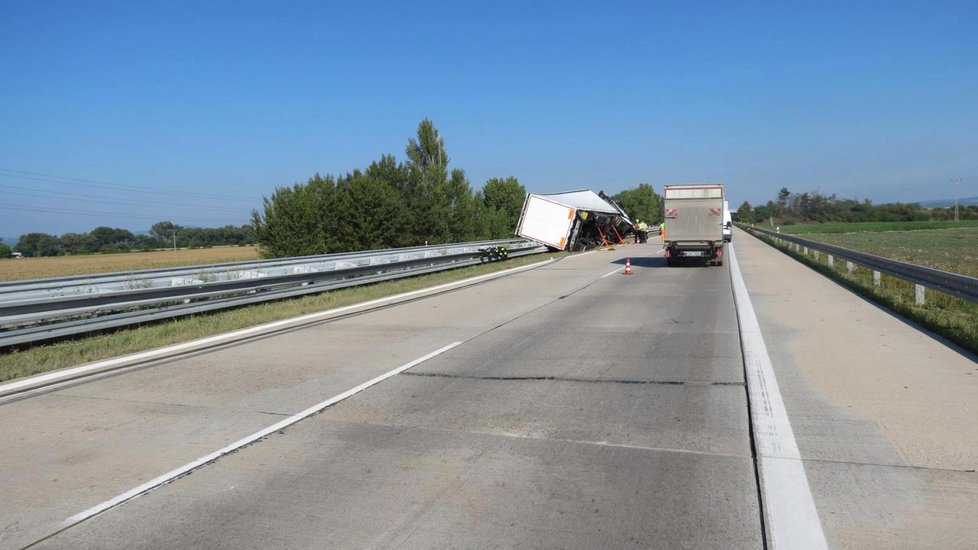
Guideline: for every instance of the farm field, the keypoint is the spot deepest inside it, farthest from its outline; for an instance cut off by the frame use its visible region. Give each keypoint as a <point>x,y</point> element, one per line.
<point>61,266</point>
<point>954,249</point>
<point>860,227</point>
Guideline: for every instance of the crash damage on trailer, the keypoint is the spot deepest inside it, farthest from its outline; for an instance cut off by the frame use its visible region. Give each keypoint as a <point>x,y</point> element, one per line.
<point>573,220</point>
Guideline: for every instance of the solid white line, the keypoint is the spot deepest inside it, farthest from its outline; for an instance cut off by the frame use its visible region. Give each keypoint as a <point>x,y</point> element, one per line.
<point>142,356</point>
<point>186,468</point>
<point>611,273</point>
<point>789,509</point>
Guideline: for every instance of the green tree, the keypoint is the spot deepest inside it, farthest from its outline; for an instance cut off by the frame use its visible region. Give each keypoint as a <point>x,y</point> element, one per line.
<point>33,245</point>
<point>5,251</point>
<point>293,220</point>
<point>641,203</point>
<point>434,200</point>
<point>492,222</point>
<point>370,208</point>
<point>783,196</point>
<point>78,243</point>
<point>505,197</point>
<point>765,211</point>
<point>164,230</point>
<point>745,213</point>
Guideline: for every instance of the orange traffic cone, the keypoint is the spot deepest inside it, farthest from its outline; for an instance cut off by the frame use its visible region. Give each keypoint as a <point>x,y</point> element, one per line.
<point>628,266</point>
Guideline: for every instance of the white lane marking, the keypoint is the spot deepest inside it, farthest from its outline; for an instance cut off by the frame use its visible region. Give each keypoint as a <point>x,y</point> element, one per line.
<point>789,509</point>
<point>141,356</point>
<point>578,255</point>
<point>186,468</point>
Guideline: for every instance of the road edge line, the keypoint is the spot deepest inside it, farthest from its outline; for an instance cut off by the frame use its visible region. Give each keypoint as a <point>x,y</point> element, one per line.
<point>790,515</point>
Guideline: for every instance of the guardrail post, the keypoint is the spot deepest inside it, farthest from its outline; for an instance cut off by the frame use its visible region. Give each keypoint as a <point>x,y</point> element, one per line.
<point>805,248</point>
<point>849,267</point>
<point>876,278</point>
<point>919,295</point>
<point>831,261</point>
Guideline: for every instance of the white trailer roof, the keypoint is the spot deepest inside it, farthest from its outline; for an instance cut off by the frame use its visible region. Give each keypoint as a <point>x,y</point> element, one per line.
<point>582,200</point>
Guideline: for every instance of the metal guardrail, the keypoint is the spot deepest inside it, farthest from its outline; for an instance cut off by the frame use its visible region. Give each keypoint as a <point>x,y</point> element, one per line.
<point>45,309</point>
<point>962,286</point>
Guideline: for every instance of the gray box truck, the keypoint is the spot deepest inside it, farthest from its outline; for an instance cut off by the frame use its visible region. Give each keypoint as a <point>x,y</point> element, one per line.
<point>693,223</point>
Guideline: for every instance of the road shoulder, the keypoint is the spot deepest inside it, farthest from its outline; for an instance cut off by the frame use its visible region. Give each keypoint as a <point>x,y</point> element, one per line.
<point>884,413</point>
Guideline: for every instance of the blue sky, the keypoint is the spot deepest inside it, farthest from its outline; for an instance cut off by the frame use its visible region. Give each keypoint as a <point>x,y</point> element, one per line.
<point>126,113</point>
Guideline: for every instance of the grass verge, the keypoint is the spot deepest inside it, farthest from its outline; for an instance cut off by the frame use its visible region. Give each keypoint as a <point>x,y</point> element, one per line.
<point>43,358</point>
<point>943,314</point>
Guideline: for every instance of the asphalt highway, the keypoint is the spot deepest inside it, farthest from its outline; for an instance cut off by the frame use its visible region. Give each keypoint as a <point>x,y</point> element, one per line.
<point>566,406</point>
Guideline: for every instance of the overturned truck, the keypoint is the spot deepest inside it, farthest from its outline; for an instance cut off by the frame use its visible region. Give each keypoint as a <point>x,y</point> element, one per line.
<point>573,220</point>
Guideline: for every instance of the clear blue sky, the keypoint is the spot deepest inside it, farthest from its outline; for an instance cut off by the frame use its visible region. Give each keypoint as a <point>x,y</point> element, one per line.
<point>192,111</point>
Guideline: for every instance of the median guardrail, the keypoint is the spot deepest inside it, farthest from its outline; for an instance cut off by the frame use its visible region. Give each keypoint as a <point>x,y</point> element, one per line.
<point>45,309</point>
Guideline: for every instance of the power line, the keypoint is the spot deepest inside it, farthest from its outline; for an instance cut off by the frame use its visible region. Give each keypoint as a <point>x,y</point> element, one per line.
<point>80,197</point>
<point>51,178</point>
<point>127,215</point>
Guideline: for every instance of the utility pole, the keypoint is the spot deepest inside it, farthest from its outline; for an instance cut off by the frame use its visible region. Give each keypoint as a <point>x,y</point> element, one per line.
<point>957,184</point>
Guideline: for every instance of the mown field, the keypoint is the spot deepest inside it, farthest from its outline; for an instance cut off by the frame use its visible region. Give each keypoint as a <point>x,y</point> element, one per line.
<point>954,249</point>
<point>61,266</point>
<point>862,227</point>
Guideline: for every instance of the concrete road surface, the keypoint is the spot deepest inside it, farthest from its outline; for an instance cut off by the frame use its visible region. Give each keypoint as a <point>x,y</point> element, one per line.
<point>580,408</point>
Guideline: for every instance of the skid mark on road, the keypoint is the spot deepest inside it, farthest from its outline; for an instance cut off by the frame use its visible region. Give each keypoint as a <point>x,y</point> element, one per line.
<point>569,379</point>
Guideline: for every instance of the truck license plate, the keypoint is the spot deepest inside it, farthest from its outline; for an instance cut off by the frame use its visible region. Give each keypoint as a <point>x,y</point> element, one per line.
<point>694,253</point>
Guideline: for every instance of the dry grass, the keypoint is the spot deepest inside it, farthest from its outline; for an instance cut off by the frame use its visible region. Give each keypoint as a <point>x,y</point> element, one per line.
<point>61,266</point>
<point>43,358</point>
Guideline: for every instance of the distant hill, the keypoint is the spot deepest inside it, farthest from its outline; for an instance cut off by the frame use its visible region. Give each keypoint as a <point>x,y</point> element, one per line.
<point>944,203</point>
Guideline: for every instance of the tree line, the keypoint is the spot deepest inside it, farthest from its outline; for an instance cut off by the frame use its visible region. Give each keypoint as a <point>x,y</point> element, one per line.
<point>392,204</point>
<point>816,207</point>
<point>107,240</point>
<point>389,204</point>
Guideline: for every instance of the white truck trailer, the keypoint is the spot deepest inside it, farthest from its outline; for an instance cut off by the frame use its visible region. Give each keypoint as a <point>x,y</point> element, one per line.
<point>572,220</point>
<point>693,223</point>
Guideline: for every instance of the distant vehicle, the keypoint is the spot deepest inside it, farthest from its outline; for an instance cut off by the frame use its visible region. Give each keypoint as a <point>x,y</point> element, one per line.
<point>727,223</point>
<point>574,220</point>
<point>694,223</point>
